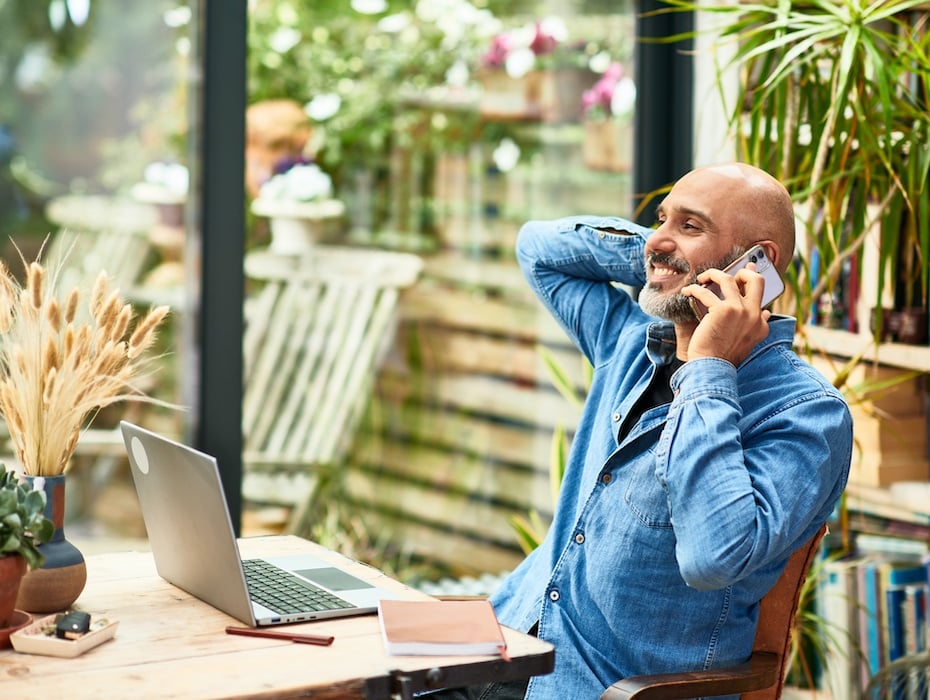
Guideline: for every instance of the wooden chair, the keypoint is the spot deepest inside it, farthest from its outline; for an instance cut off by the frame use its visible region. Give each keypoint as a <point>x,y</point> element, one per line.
<point>762,676</point>
<point>97,232</point>
<point>317,329</point>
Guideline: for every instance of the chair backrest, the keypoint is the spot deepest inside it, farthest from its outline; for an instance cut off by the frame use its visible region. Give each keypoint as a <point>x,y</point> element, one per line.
<point>777,613</point>
<point>316,331</point>
<point>99,233</point>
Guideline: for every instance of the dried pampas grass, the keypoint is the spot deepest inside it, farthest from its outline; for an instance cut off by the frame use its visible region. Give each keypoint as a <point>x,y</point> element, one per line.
<point>56,368</point>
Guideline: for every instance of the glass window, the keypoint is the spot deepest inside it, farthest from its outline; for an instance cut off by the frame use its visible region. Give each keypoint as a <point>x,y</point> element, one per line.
<point>94,176</point>
<point>434,128</point>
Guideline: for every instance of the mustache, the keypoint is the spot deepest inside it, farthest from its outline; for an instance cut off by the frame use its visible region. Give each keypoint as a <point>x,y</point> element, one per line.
<point>666,260</point>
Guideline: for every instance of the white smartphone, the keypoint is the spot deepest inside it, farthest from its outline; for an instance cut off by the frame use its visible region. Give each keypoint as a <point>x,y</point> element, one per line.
<point>774,285</point>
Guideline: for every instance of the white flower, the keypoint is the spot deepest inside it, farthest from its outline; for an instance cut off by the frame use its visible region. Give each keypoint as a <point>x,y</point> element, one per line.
<point>369,7</point>
<point>522,37</point>
<point>458,74</point>
<point>173,177</point>
<point>284,39</point>
<point>554,27</point>
<point>506,155</point>
<point>520,62</point>
<point>324,106</point>
<point>600,61</point>
<point>302,183</point>
<point>394,24</point>
<point>624,97</point>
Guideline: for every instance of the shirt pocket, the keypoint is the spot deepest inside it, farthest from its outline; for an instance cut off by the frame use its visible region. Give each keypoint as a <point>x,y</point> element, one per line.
<point>644,494</point>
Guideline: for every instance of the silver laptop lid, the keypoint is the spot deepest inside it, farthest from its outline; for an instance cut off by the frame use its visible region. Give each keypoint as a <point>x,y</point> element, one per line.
<point>187,520</point>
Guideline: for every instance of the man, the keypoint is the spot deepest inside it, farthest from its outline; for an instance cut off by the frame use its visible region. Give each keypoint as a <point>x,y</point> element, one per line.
<point>707,451</point>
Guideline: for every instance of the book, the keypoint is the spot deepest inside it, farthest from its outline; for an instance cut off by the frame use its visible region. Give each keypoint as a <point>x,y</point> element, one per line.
<point>896,577</point>
<point>441,628</point>
<point>870,614</point>
<point>914,618</point>
<point>837,600</point>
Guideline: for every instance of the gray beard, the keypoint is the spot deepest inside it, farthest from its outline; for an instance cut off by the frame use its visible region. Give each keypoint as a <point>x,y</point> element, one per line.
<point>675,308</point>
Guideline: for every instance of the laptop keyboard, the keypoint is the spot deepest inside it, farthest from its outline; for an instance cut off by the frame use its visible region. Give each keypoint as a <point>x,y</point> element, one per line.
<point>284,593</point>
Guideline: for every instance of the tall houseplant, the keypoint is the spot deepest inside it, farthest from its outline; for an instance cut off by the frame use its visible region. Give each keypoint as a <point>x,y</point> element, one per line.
<point>832,98</point>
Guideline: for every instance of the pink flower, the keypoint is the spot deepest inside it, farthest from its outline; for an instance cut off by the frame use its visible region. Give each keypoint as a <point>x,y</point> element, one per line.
<point>543,43</point>
<point>596,101</point>
<point>496,55</point>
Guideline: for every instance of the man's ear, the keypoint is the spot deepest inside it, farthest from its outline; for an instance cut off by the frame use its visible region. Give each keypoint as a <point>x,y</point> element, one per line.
<point>773,250</point>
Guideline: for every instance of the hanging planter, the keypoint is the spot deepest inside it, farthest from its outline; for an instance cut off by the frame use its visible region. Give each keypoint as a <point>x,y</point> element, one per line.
<point>608,124</point>
<point>608,145</point>
<point>506,97</point>
<point>561,91</point>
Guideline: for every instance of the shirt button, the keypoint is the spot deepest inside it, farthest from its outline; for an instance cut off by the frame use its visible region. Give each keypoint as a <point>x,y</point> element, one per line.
<point>579,538</point>
<point>605,479</point>
<point>601,234</point>
<point>616,417</point>
<point>553,596</point>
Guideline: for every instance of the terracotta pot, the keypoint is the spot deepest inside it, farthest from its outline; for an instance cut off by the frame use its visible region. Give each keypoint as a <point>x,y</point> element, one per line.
<point>608,145</point>
<point>59,581</point>
<point>504,97</point>
<point>12,570</point>
<point>561,91</point>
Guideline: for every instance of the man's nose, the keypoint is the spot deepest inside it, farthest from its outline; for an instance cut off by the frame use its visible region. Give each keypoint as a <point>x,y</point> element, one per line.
<point>661,241</point>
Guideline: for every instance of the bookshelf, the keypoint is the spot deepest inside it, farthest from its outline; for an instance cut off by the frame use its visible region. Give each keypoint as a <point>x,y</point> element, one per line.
<point>911,509</point>
<point>886,527</point>
<point>845,344</point>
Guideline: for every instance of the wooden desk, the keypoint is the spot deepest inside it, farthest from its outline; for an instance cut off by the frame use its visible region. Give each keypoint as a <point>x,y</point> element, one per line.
<point>170,645</point>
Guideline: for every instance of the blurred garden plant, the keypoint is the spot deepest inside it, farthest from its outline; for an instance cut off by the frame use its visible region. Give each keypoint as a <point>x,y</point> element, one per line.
<point>351,68</point>
<point>531,528</point>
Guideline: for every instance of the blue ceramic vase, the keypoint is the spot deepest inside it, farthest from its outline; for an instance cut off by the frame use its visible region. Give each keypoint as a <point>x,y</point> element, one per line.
<point>60,580</point>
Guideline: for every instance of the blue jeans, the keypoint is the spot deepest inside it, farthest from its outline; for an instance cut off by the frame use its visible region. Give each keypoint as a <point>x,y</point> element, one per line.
<point>508,690</point>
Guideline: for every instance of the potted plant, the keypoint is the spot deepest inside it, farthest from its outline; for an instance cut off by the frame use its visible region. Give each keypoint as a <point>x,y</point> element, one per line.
<point>831,98</point>
<point>355,70</point>
<point>608,121</point>
<point>62,360</point>
<point>537,71</point>
<point>23,526</point>
<point>300,204</point>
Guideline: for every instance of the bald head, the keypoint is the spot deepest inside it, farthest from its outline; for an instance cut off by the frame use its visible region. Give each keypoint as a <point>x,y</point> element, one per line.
<point>754,203</point>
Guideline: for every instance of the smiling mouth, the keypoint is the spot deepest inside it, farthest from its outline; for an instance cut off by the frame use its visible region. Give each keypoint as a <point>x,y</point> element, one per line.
<point>661,270</point>
<point>660,273</point>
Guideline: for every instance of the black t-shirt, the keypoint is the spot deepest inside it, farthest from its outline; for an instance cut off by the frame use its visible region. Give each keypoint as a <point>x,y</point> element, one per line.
<point>657,393</point>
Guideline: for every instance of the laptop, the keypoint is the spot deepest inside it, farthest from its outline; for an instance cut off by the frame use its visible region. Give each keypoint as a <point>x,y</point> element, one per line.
<point>194,544</point>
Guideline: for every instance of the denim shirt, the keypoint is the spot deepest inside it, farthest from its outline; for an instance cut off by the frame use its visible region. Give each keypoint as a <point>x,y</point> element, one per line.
<point>662,544</point>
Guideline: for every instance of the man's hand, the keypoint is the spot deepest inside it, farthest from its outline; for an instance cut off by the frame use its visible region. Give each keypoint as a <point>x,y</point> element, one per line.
<point>735,324</point>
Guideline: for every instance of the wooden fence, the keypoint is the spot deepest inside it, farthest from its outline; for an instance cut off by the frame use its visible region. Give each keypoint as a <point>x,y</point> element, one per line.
<point>458,438</point>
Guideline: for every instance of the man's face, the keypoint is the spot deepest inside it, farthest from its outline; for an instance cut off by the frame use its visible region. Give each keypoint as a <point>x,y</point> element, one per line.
<point>698,229</point>
<point>669,303</point>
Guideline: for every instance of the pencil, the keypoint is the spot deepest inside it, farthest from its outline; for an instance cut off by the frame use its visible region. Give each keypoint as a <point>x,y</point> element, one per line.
<point>287,636</point>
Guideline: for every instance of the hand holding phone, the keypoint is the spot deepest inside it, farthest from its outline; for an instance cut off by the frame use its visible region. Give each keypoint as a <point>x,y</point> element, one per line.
<point>774,285</point>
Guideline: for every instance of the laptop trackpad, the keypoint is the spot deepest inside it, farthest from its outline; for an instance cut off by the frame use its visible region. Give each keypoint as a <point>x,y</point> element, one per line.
<point>333,579</point>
